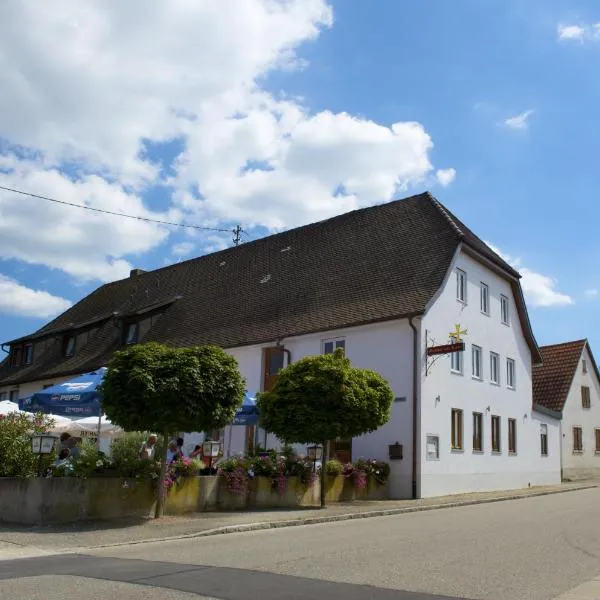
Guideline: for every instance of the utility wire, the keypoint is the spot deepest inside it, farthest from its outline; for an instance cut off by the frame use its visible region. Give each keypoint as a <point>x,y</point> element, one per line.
<point>236,231</point>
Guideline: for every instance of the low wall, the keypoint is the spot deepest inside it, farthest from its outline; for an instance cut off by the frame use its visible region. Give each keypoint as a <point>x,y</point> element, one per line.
<point>39,501</point>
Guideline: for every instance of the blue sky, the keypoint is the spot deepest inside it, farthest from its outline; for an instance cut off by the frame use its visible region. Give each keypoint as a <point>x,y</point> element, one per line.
<point>258,116</point>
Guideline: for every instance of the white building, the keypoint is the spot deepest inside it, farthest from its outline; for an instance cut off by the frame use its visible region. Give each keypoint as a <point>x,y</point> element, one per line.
<point>386,283</point>
<point>568,383</point>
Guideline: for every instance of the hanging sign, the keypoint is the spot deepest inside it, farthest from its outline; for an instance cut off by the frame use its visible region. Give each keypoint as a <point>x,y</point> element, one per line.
<point>446,349</point>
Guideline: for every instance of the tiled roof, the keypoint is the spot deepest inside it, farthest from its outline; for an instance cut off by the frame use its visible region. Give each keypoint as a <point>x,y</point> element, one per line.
<point>373,264</point>
<point>552,379</point>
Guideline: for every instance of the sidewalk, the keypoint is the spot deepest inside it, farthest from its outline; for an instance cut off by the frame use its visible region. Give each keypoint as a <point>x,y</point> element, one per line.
<point>18,541</point>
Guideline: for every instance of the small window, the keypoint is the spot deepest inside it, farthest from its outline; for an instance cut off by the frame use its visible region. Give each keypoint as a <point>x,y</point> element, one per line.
<point>330,346</point>
<point>477,432</point>
<point>3,396</point>
<point>578,440</point>
<point>456,362</point>
<point>457,429</point>
<point>28,354</point>
<point>476,363</point>
<point>504,310</point>
<point>544,439</point>
<point>461,286</point>
<point>496,447</point>
<point>131,337</point>
<point>597,436</point>
<point>494,368</point>
<point>15,356</point>
<point>70,345</point>
<point>512,436</point>
<point>510,373</point>
<point>13,395</point>
<point>433,447</point>
<point>584,365</point>
<point>484,296</point>
<point>586,401</point>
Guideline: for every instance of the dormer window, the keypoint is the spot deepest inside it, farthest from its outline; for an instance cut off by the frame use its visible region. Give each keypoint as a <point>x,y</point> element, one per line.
<point>132,334</point>
<point>16,352</point>
<point>28,354</point>
<point>69,345</point>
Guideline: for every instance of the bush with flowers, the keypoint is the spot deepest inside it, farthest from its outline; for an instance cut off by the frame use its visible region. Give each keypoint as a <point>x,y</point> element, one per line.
<point>361,472</point>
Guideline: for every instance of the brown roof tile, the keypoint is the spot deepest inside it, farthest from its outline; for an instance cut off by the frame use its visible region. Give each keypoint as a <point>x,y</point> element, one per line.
<point>374,264</point>
<point>552,379</point>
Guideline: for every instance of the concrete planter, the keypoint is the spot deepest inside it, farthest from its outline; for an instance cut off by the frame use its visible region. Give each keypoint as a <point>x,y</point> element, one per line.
<point>263,493</point>
<point>192,494</point>
<point>341,489</point>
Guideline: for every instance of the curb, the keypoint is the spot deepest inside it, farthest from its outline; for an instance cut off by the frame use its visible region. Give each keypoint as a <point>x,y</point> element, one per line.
<point>262,525</point>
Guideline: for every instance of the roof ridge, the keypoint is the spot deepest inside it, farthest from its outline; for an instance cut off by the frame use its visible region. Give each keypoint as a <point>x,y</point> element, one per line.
<point>580,341</point>
<point>444,211</point>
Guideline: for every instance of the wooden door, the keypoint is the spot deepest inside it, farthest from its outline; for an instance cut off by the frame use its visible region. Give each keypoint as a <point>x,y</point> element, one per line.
<point>273,363</point>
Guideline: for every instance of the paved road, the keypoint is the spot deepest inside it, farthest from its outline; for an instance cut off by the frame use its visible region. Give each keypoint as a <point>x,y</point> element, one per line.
<point>536,548</point>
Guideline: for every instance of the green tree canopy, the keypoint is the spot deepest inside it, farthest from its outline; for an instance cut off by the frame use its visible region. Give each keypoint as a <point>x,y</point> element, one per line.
<point>320,398</point>
<point>152,387</point>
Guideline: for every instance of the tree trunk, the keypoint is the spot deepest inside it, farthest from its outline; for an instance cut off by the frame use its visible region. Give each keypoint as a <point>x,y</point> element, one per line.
<point>323,474</point>
<point>161,495</point>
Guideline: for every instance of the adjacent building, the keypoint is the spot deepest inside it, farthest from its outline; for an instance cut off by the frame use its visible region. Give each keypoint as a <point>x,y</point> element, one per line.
<point>385,283</point>
<point>568,383</point>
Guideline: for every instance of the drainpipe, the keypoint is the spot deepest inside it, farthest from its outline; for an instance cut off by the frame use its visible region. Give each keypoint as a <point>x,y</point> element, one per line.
<point>415,402</point>
<point>4,349</point>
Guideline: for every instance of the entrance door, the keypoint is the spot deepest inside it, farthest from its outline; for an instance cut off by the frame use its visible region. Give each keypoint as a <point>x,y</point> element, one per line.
<point>273,363</point>
<point>342,450</point>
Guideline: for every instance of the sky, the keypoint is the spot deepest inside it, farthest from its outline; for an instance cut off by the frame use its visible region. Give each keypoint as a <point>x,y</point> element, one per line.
<point>275,113</point>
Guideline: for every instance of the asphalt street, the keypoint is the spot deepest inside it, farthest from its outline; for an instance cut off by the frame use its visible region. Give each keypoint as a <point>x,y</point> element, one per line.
<point>535,548</point>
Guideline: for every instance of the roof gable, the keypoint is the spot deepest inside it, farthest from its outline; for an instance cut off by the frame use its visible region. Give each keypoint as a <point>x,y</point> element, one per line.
<point>552,380</point>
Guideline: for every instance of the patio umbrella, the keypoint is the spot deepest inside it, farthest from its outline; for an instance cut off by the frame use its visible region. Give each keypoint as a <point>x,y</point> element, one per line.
<point>7,407</point>
<point>247,414</point>
<point>93,424</point>
<point>78,397</point>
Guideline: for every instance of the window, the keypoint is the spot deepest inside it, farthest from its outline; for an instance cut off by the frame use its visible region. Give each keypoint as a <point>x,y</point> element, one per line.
<point>496,434</point>
<point>512,436</point>
<point>131,336</point>
<point>456,362</point>
<point>597,436</point>
<point>28,354</point>
<point>544,439</point>
<point>484,298</point>
<point>330,346</point>
<point>69,345</point>
<point>584,365</point>
<point>478,432</point>
<point>585,397</point>
<point>433,447</point>
<point>13,395</point>
<point>3,396</point>
<point>494,368</point>
<point>504,310</point>
<point>461,286</point>
<point>476,362</point>
<point>457,429</point>
<point>510,373</point>
<point>578,440</point>
<point>15,356</point>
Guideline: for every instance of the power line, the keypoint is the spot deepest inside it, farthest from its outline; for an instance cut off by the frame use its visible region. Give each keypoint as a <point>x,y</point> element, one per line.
<point>236,231</point>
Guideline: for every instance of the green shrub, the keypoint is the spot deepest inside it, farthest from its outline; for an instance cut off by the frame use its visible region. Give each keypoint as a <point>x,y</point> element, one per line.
<point>90,461</point>
<point>125,452</point>
<point>334,467</point>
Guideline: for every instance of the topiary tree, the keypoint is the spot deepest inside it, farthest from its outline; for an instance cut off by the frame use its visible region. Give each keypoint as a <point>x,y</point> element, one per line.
<point>152,387</point>
<point>320,398</point>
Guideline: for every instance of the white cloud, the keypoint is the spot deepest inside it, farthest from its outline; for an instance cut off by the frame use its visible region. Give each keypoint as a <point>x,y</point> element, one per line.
<point>570,32</point>
<point>539,290</point>
<point>519,121</point>
<point>592,293</point>
<point>445,176</point>
<point>16,299</point>
<point>182,248</point>
<point>86,84</point>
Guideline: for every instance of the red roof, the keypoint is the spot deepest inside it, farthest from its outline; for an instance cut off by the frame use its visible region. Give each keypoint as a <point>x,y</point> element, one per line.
<point>552,379</point>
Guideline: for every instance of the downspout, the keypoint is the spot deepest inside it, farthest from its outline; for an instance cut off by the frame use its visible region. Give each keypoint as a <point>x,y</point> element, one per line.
<point>415,401</point>
<point>4,349</point>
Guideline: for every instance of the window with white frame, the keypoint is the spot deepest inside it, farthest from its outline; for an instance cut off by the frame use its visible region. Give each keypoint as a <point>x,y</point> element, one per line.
<point>496,436</point>
<point>484,298</point>
<point>461,286</point>
<point>476,361</point>
<point>456,362</point>
<point>494,368</point>
<point>504,310</point>
<point>544,439</point>
<point>330,346</point>
<point>510,373</point>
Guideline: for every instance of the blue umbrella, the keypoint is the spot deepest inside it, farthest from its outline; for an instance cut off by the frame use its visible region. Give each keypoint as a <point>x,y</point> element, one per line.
<point>78,397</point>
<point>247,414</point>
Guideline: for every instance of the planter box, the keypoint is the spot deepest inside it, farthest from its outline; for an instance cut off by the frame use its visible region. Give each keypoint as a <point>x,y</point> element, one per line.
<point>264,494</point>
<point>192,494</point>
<point>340,489</point>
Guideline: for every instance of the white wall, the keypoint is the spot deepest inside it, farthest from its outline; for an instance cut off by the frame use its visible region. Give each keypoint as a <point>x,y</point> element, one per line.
<point>31,387</point>
<point>586,464</point>
<point>385,348</point>
<point>442,390</point>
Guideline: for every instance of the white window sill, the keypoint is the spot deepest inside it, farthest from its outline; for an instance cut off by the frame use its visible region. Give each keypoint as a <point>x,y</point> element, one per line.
<point>513,453</point>
<point>578,452</point>
<point>496,383</point>
<point>457,450</point>
<point>463,302</point>
<point>478,452</point>
<point>496,452</point>
<point>511,387</point>
<point>456,372</point>
<point>487,314</point>
<point>475,378</point>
